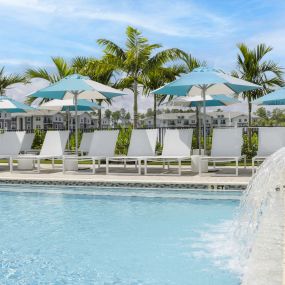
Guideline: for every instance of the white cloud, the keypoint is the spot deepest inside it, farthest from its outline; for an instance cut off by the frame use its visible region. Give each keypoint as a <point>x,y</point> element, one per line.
<point>20,91</point>
<point>197,22</point>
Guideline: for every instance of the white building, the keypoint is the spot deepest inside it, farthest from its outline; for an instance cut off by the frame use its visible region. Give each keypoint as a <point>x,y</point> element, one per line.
<point>213,119</point>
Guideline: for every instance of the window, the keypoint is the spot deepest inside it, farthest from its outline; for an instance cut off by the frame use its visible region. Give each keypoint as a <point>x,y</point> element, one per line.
<point>245,120</point>
<point>38,126</point>
<point>38,118</point>
<point>223,122</point>
<point>215,121</point>
<point>0,125</point>
<point>193,121</point>
<point>239,120</point>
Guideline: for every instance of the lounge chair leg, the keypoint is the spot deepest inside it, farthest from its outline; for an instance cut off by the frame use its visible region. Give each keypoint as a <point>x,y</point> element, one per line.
<point>214,165</point>
<point>93,165</point>
<point>136,164</point>
<point>145,167</point>
<point>163,164</point>
<point>140,169</point>
<point>125,164</point>
<point>99,163</point>
<point>107,166</point>
<point>39,164</point>
<point>179,167</point>
<point>11,164</point>
<point>168,165</point>
<point>237,167</point>
<point>63,165</point>
<point>52,161</point>
<point>244,162</point>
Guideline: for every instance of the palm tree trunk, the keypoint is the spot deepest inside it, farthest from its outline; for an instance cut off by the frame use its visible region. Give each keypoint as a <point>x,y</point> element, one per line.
<point>100,115</point>
<point>135,104</point>
<point>249,125</point>
<point>154,111</point>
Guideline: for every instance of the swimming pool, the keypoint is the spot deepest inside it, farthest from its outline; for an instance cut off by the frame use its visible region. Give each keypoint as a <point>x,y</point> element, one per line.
<point>105,239</point>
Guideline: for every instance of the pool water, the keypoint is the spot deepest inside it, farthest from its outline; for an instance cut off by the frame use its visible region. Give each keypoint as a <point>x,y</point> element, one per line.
<point>91,239</point>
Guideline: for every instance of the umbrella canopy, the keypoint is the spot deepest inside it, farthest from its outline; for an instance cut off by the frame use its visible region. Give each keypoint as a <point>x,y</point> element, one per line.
<point>77,87</point>
<point>205,81</point>
<point>10,105</point>
<point>276,97</point>
<point>80,85</point>
<point>68,105</point>
<point>197,101</point>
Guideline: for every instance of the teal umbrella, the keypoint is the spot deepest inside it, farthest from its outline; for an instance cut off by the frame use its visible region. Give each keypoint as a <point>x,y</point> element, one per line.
<point>205,81</point>
<point>276,97</point>
<point>77,87</point>
<point>9,105</point>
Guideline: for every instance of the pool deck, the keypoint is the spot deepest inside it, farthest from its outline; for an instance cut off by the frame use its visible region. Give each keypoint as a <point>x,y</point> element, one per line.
<point>225,176</point>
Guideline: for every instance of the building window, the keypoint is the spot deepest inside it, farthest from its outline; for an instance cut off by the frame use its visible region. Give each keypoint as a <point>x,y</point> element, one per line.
<point>38,118</point>
<point>239,120</point>
<point>193,121</point>
<point>223,122</point>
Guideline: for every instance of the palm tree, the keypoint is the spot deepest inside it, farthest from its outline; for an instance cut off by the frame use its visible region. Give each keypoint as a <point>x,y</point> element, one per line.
<point>62,67</point>
<point>252,66</point>
<point>7,80</point>
<point>189,62</point>
<point>102,71</point>
<point>134,60</point>
<point>155,79</point>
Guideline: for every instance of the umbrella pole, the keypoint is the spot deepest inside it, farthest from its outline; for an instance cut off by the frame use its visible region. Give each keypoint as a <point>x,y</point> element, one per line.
<point>199,128</point>
<point>76,124</point>
<point>68,128</point>
<point>204,117</point>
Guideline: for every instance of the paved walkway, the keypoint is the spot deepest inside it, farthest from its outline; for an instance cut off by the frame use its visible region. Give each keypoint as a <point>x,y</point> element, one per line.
<point>129,175</point>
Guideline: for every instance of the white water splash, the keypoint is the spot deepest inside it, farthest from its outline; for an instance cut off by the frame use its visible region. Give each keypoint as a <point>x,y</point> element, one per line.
<point>252,245</point>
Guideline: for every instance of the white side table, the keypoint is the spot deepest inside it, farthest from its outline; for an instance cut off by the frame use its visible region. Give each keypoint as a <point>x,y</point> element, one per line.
<point>25,164</point>
<point>71,164</point>
<point>195,163</point>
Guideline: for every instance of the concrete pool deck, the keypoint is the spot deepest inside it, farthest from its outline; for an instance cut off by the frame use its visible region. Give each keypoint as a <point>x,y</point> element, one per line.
<point>213,180</point>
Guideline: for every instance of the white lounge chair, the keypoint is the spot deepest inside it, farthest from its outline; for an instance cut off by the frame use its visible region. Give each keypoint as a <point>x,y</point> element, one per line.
<point>176,148</point>
<point>53,148</point>
<point>11,143</point>
<point>85,143</point>
<point>270,139</point>
<point>103,145</point>
<point>27,143</point>
<point>142,144</point>
<point>226,147</point>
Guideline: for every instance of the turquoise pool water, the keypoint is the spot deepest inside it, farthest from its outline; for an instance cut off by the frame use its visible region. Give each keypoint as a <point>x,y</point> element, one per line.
<point>85,239</point>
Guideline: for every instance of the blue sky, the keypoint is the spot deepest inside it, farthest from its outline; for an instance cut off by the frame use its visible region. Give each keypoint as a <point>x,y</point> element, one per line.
<point>34,30</point>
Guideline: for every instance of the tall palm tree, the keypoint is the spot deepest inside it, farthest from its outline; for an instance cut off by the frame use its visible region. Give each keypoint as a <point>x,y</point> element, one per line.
<point>134,60</point>
<point>252,66</point>
<point>156,78</point>
<point>7,80</point>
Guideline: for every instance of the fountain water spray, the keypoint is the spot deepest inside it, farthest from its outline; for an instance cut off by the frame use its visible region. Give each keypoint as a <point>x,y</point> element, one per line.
<point>259,229</point>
